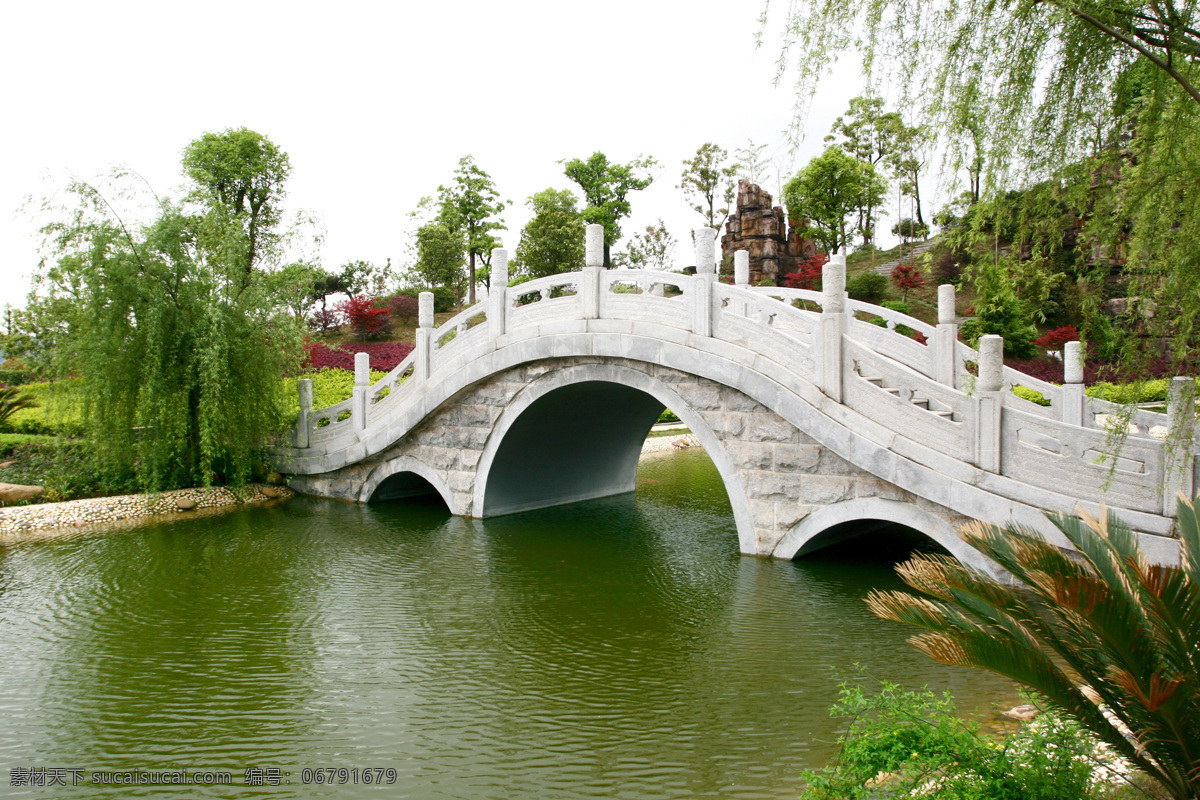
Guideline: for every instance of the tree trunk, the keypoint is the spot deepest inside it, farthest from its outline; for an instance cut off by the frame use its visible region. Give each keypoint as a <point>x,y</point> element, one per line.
<point>607,263</point>
<point>471,282</point>
<point>917,197</point>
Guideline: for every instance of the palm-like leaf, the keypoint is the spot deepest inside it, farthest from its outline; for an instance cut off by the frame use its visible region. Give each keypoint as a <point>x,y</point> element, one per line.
<point>13,400</point>
<point>1111,639</point>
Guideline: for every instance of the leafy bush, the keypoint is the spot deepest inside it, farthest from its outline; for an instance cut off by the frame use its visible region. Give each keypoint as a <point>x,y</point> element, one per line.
<point>908,276</point>
<point>404,308</point>
<point>12,400</point>
<point>1136,392</point>
<point>15,377</point>
<point>947,268</point>
<point>384,355</point>
<point>808,276</point>
<point>1000,310</point>
<point>366,317</point>
<point>1055,339</point>
<point>897,305</point>
<point>1032,395</point>
<point>869,287</point>
<point>324,319</point>
<point>443,299</point>
<point>668,416</point>
<point>903,744</point>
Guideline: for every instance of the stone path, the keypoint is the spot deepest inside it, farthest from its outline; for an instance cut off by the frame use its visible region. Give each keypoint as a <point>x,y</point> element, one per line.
<point>920,249</point>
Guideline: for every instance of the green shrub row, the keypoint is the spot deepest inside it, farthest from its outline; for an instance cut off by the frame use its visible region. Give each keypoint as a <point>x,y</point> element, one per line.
<point>1032,395</point>
<point>1154,391</point>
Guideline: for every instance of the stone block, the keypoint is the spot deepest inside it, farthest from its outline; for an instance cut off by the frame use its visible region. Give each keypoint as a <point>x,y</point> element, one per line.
<point>725,426</point>
<point>788,515</point>
<point>772,486</point>
<point>768,428</point>
<point>763,514</point>
<point>825,490</point>
<point>749,455</point>
<point>734,400</point>
<point>873,487</point>
<point>701,397</point>
<point>796,457</point>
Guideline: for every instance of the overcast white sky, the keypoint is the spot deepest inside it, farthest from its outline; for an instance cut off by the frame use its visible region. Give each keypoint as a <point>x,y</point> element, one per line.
<point>376,102</point>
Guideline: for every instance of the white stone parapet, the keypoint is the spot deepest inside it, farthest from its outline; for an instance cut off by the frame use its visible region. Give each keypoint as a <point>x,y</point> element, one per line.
<point>947,336</point>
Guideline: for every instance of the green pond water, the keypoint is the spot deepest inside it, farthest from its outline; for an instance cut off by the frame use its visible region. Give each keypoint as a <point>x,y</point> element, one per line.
<point>619,648</point>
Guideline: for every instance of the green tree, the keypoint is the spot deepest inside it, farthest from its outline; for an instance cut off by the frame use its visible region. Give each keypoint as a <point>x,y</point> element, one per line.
<point>552,241</point>
<point>473,204</point>
<point>908,162</point>
<point>440,257</point>
<point>999,309</point>
<point>239,176</point>
<point>1106,637</point>
<point>869,134</point>
<point>293,285</point>
<point>709,182</point>
<point>752,162</point>
<point>606,189</point>
<point>180,350</point>
<point>833,186</point>
<point>653,248</point>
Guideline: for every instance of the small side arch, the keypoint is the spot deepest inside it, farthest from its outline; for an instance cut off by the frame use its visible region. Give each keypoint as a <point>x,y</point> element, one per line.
<point>804,537</point>
<point>401,464</point>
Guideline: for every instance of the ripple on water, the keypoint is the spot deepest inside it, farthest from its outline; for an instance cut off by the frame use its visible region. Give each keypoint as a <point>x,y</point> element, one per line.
<point>620,648</point>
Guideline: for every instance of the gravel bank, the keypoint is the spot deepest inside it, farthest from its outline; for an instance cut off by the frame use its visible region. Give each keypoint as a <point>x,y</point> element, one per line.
<point>21,521</point>
<point>666,444</point>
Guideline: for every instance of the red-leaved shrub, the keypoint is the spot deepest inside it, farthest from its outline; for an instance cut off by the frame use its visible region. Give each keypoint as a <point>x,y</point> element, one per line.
<point>907,277</point>
<point>404,308</point>
<point>809,274</point>
<point>1055,339</point>
<point>384,355</point>
<point>368,320</point>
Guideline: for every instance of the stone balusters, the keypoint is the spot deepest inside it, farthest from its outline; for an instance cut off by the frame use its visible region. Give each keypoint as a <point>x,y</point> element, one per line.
<point>424,337</point>
<point>1072,390</point>
<point>833,325</point>
<point>593,263</point>
<point>498,294</point>
<point>304,386</point>
<point>741,269</point>
<point>704,240</point>
<point>947,337</point>
<point>362,382</point>
<point>989,402</point>
<point>1178,456</point>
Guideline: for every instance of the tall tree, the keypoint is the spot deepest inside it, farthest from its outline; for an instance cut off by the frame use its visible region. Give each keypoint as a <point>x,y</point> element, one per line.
<point>908,162</point>
<point>869,134</point>
<point>709,182</point>
<point>831,188</point>
<point>240,175</point>
<point>752,162</point>
<point>606,188</point>
<point>180,348</point>
<point>473,204</point>
<point>552,241</point>
<point>440,257</point>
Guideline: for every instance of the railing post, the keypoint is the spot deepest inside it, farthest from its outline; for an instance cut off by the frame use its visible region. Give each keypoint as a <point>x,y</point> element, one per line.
<point>593,263</point>
<point>833,325</point>
<point>1072,390</point>
<point>706,272</point>
<point>498,294</point>
<point>1179,467</point>
<point>989,402</point>
<point>304,387</point>
<point>362,382</point>
<point>741,268</point>
<point>424,337</point>
<point>947,337</point>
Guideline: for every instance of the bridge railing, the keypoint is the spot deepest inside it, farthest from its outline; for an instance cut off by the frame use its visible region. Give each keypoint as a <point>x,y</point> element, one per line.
<point>938,393</point>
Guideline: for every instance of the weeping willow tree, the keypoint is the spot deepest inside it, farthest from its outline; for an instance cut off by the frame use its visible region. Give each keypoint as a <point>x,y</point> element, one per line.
<point>1097,100</point>
<point>179,349</point>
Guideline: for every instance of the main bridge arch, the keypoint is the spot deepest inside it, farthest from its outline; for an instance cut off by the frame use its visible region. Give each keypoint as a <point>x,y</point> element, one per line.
<point>562,429</point>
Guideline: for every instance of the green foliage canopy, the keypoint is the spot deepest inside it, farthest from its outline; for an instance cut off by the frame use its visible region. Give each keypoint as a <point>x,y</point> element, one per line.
<point>827,191</point>
<point>709,182</point>
<point>606,189</point>
<point>472,204</point>
<point>552,241</point>
<point>180,349</point>
<point>440,256</point>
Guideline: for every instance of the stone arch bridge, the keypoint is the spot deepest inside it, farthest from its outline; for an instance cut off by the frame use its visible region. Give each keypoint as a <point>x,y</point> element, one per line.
<point>817,410</point>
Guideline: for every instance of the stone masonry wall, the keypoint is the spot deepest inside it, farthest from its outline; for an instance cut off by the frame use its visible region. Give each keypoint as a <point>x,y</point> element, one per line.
<point>785,473</point>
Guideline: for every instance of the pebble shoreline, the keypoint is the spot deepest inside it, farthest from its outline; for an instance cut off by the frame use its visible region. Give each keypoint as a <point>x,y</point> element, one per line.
<point>20,521</point>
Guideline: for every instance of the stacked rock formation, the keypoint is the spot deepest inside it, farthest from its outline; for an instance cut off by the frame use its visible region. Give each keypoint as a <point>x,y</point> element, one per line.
<point>776,247</point>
